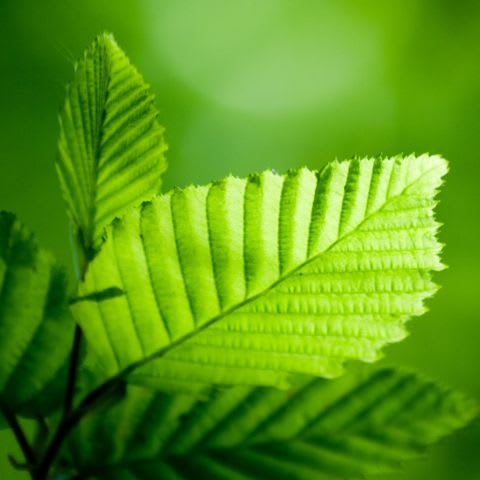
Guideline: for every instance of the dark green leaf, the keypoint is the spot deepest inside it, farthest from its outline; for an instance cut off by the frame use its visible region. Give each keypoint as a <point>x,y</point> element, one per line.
<point>36,327</point>
<point>363,423</point>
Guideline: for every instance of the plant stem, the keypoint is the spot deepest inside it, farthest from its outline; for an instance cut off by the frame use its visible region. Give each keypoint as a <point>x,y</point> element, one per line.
<point>70,421</point>
<point>41,433</point>
<point>70,417</point>
<point>81,264</point>
<point>19,434</point>
<point>72,371</point>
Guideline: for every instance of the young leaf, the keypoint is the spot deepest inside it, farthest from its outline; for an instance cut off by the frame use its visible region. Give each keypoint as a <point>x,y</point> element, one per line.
<point>357,425</point>
<point>36,326</point>
<point>111,145</point>
<point>248,281</point>
<point>98,296</point>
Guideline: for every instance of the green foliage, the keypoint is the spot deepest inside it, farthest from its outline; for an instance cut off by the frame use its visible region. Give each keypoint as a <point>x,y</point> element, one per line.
<point>195,303</point>
<point>35,323</point>
<point>363,423</point>
<point>253,280</point>
<point>111,145</point>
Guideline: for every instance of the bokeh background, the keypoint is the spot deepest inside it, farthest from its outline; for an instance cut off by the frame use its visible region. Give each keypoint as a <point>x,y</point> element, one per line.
<point>244,85</point>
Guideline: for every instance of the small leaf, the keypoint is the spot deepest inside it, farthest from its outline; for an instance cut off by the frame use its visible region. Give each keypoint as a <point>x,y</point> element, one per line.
<point>253,281</point>
<point>111,292</point>
<point>111,146</point>
<point>36,327</point>
<point>364,423</point>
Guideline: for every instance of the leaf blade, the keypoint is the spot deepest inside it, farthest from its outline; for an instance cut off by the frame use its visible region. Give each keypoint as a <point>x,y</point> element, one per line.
<point>36,326</point>
<point>365,423</point>
<point>290,274</point>
<point>111,146</point>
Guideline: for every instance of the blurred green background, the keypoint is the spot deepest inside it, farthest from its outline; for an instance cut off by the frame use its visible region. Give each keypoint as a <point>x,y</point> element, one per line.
<point>248,85</point>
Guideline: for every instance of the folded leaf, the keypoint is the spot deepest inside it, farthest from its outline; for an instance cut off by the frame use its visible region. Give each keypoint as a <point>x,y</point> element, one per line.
<point>111,145</point>
<point>36,326</point>
<point>251,281</point>
<point>361,424</point>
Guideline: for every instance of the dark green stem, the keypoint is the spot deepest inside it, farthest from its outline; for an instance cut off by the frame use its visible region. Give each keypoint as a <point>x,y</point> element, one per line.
<point>72,371</point>
<point>77,343</point>
<point>71,420</point>
<point>17,430</point>
<point>41,433</point>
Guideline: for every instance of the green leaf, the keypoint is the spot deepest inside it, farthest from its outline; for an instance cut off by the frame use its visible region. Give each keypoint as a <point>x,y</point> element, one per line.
<point>251,281</point>
<point>363,423</point>
<point>111,292</point>
<point>111,146</point>
<point>36,327</point>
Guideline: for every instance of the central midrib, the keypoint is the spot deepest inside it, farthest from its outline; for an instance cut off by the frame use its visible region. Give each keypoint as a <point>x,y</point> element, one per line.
<point>97,147</point>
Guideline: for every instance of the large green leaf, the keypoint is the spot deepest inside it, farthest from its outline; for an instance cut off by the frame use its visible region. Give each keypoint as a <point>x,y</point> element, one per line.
<point>357,425</point>
<point>248,281</point>
<point>111,145</point>
<point>36,326</point>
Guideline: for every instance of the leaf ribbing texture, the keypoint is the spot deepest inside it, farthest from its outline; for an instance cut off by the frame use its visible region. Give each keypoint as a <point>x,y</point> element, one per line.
<point>111,145</point>
<point>268,276</point>
<point>364,423</point>
<point>36,326</point>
